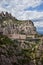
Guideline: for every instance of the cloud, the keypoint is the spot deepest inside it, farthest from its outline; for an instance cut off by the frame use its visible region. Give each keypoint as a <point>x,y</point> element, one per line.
<point>38,24</point>
<point>35,16</point>
<point>17,8</point>
<point>26,15</point>
<point>19,5</point>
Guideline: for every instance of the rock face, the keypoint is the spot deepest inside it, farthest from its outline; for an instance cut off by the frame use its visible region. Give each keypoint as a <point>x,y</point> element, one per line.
<point>17,53</point>
<point>10,25</point>
<point>23,50</point>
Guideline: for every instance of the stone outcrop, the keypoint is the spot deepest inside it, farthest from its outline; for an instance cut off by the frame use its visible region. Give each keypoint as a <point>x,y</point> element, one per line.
<point>25,49</point>
<point>10,25</point>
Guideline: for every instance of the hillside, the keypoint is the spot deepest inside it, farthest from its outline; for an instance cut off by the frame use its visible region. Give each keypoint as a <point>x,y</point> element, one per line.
<point>17,53</point>
<point>20,44</point>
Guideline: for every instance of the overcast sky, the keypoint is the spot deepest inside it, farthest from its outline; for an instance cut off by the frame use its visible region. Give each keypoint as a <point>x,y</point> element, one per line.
<point>25,10</point>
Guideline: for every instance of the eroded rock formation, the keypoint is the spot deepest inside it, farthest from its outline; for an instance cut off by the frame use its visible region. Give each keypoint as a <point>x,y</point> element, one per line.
<point>10,25</point>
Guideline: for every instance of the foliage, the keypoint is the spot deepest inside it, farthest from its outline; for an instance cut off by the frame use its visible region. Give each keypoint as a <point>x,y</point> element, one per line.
<point>24,55</point>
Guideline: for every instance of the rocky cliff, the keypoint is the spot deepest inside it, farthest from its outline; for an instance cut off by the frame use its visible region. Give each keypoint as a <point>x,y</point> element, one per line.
<point>10,25</point>
<point>23,50</point>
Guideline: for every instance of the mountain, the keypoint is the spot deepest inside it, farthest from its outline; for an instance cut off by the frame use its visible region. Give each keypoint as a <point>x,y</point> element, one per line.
<point>20,44</point>
<point>10,25</point>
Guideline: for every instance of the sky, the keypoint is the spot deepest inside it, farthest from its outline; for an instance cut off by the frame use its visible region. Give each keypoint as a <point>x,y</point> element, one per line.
<point>25,10</point>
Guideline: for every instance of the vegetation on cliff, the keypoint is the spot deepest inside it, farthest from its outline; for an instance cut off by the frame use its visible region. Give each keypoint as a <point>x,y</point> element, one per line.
<point>19,52</point>
<point>11,52</point>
